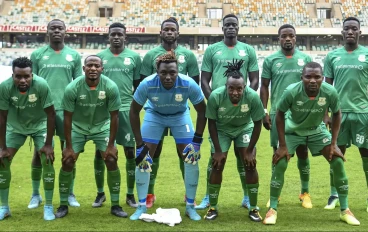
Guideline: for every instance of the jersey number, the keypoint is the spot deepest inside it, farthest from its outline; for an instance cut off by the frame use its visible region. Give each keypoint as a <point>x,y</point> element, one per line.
<point>187,126</point>
<point>127,137</point>
<point>107,141</point>
<point>360,139</point>
<point>246,138</point>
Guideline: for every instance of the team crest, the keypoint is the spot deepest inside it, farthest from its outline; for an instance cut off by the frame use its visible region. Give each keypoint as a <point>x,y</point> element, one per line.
<point>45,57</point>
<point>104,62</point>
<point>321,101</point>
<point>361,58</point>
<point>244,108</point>
<point>32,98</point>
<point>127,61</point>
<point>101,95</point>
<point>278,65</point>
<point>242,53</point>
<point>181,59</point>
<point>69,58</point>
<point>301,62</point>
<point>178,97</point>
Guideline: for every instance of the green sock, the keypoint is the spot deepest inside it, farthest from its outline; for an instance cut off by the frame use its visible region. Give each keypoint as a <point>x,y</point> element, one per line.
<point>99,166</point>
<point>277,182</point>
<point>113,181</point>
<point>253,195</point>
<point>48,179</point>
<point>214,191</point>
<point>365,168</point>
<point>181,165</point>
<point>209,169</point>
<point>5,174</point>
<point>333,190</point>
<point>36,173</point>
<point>130,175</point>
<point>304,168</point>
<point>65,179</point>
<point>241,171</point>
<point>155,166</point>
<point>341,182</point>
<point>71,189</point>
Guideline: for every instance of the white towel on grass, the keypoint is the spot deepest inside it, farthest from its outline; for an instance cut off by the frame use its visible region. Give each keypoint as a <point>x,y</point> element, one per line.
<point>166,216</point>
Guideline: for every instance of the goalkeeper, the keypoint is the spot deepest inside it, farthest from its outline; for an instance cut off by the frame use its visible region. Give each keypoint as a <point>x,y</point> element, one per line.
<point>167,93</point>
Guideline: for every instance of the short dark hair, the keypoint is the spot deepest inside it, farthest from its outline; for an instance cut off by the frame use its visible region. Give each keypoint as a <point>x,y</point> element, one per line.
<point>117,25</point>
<point>85,60</point>
<point>230,16</point>
<point>168,57</point>
<point>56,20</point>
<point>351,19</point>
<point>22,62</point>
<point>170,20</point>
<point>233,69</point>
<point>286,26</point>
<point>312,65</point>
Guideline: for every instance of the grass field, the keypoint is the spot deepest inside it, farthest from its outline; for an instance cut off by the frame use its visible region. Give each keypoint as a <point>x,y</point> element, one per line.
<point>170,191</point>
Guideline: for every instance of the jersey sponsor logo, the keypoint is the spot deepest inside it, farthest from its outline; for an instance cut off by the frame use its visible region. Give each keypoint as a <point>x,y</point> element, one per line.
<point>361,58</point>
<point>347,66</point>
<point>320,110</point>
<point>278,65</point>
<point>244,108</point>
<point>104,61</point>
<point>301,62</point>
<point>67,66</point>
<point>155,99</point>
<point>242,53</point>
<point>45,57</point>
<point>69,58</point>
<point>127,61</point>
<point>222,109</point>
<point>101,95</point>
<point>14,98</point>
<point>321,101</point>
<point>178,97</point>
<point>82,97</point>
<point>299,103</point>
<point>32,98</point>
<point>181,59</point>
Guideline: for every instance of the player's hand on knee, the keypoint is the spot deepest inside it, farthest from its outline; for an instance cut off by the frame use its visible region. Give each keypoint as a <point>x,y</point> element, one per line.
<point>68,153</point>
<point>335,151</point>
<point>110,151</point>
<point>280,153</point>
<point>218,160</point>
<point>267,122</point>
<point>250,158</point>
<point>192,150</point>
<point>4,153</point>
<point>48,150</point>
<point>142,158</point>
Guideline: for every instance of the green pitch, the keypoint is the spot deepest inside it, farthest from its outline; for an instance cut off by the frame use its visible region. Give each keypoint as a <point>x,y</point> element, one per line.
<point>170,193</point>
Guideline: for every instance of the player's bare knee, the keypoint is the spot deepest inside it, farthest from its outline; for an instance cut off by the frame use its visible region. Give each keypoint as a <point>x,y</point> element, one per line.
<point>98,154</point>
<point>68,165</point>
<point>129,152</point>
<point>111,163</point>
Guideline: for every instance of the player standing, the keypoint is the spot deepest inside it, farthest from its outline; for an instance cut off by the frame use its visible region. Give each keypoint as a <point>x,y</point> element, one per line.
<point>58,65</point>
<point>215,58</point>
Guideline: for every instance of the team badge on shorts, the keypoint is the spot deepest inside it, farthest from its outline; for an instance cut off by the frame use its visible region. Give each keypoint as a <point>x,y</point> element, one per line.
<point>32,98</point>
<point>301,62</point>
<point>178,97</point>
<point>361,58</point>
<point>181,59</point>
<point>127,61</point>
<point>321,101</point>
<point>242,53</point>
<point>244,108</point>
<point>101,95</point>
<point>69,57</point>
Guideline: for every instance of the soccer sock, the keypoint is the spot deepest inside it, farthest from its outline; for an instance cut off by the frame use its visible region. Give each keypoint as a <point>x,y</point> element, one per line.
<point>5,174</point>
<point>253,195</point>
<point>277,182</point>
<point>181,165</point>
<point>142,180</point>
<point>155,165</point>
<point>304,168</point>
<point>241,171</point>
<point>214,191</point>
<point>36,179</point>
<point>48,176</point>
<point>130,175</point>
<point>71,189</point>
<point>65,180</point>
<point>209,170</point>
<point>341,182</point>
<point>333,190</point>
<point>113,181</point>
<point>365,168</point>
<point>99,165</point>
<point>191,181</point>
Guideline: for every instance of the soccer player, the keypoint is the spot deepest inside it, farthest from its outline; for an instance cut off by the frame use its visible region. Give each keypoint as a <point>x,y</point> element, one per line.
<point>167,94</point>
<point>281,69</point>
<point>26,109</point>
<point>91,112</point>
<point>347,69</point>
<point>187,65</point>
<point>121,65</point>
<point>58,65</point>
<point>307,102</point>
<point>215,58</point>
<point>231,109</point>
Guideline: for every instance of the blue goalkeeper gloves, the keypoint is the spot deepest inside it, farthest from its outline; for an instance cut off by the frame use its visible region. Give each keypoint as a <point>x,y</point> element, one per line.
<point>192,150</point>
<point>142,158</point>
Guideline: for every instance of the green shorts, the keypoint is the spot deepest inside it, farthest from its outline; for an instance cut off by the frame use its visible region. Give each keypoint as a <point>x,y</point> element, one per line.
<point>59,124</point>
<point>125,136</point>
<point>16,140</point>
<point>353,130</point>
<point>241,140</point>
<point>274,136</point>
<point>101,140</point>
<point>314,142</point>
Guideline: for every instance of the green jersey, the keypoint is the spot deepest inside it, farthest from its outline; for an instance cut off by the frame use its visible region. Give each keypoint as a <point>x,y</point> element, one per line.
<point>219,54</point>
<point>232,119</point>
<point>26,113</point>
<point>123,69</point>
<point>350,74</point>
<point>283,71</point>
<point>187,62</point>
<point>91,107</point>
<point>58,68</point>
<point>306,115</point>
